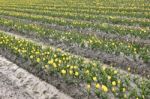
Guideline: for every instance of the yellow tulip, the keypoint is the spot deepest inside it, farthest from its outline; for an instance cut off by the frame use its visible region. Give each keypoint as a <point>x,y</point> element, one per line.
<point>46,66</point>
<point>87,71</point>
<point>54,65</point>
<point>97,86</point>
<point>109,77</point>
<point>113,89</point>
<point>63,71</point>
<point>50,62</point>
<point>119,81</point>
<point>115,72</point>
<point>95,78</point>
<point>124,89</point>
<point>88,86</point>
<point>38,60</point>
<point>125,96</point>
<point>129,68</point>
<point>31,57</point>
<point>76,73</point>
<point>114,83</point>
<point>70,72</point>
<point>104,88</point>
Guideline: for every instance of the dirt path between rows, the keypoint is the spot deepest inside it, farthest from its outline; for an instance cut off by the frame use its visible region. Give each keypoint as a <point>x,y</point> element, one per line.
<point>17,83</point>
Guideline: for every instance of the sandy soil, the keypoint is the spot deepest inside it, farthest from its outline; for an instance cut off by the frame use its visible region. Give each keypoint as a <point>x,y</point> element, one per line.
<point>17,83</point>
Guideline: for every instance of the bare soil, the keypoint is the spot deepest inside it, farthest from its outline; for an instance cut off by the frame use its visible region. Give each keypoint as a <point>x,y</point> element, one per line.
<point>17,83</point>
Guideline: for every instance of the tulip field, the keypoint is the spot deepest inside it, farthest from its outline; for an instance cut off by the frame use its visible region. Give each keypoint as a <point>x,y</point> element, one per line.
<point>96,49</point>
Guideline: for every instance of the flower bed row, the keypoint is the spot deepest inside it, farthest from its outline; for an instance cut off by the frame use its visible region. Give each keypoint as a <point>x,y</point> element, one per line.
<point>82,40</point>
<point>105,82</point>
<point>74,15</point>
<point>116,29</point>
<point>97,10</point>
